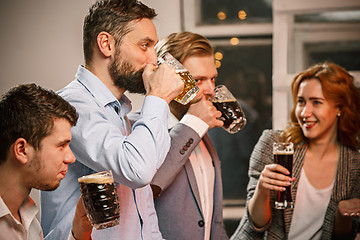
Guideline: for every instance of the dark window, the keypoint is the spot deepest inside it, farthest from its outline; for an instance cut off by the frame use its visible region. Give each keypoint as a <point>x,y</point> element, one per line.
<point>247,72</point>
<point>235,11</point>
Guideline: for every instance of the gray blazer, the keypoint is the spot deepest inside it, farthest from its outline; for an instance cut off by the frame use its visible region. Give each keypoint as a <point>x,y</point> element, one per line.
<point>177,200</point>
<point>346,186</point>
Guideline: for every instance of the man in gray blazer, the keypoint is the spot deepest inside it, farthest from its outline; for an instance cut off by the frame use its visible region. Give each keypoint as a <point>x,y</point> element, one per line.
<point>188,187</point>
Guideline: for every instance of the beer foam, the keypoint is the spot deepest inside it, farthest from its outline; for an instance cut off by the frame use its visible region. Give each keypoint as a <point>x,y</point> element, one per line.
<point>224,101</point>
<point>283,148</point>
<point>96,179</point>
<point>283,152</point>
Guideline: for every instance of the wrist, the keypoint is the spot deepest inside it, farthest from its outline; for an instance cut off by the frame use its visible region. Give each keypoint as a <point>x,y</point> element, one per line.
<point>167,100</point>
<point>84,236</point>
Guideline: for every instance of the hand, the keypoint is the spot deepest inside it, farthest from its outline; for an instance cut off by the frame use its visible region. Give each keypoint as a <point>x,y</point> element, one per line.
<point>273,177</point>
<point>162,82</point>
<point>81,228</point>
<point>349,208</point>
<point>346,211</point>
<point>206,111</point>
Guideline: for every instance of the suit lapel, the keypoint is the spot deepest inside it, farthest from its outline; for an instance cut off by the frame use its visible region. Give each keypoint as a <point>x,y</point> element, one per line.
<point>210,147</point>
<point>193,185</point>
<point>342,178</point>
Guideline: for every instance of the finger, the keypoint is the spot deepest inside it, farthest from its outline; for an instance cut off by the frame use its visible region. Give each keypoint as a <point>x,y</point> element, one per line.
<point>149,68</point>
<point>219,123</point>
<point>351,214</point>
<point>217,114</point>
<point>278,168</point>
<point>273,187</point>
<point>80,207</point>
<point>211,108</point>
<point>273,179</point>
<point>204,98</point>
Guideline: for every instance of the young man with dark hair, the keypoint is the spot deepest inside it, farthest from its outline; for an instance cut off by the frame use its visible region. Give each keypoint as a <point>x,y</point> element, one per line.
<point>35,135</point>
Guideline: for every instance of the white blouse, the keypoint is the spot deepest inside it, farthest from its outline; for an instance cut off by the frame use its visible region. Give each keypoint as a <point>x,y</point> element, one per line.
<point>310,209</point>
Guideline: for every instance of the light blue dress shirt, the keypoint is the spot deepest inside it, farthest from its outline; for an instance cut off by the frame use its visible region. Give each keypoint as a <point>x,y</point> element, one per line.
<point>102,141</point>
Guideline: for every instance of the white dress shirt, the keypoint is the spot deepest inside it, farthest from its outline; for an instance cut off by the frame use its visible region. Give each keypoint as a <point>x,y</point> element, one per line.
<point>29,229</point>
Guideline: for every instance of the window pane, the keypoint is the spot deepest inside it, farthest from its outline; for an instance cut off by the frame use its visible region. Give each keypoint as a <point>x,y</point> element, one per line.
<point>345,54</point>
<point>235,11</point>
<point>335,16</point>
<point>246,71</point>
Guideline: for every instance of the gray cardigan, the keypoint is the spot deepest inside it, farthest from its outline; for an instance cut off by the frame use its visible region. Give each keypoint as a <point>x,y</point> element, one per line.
<point>346,186</point>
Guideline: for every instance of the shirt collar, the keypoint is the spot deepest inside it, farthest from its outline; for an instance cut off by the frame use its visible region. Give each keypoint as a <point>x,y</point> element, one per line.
<point>98,89</point>
<point>4,210</point>
<point>28,211</point>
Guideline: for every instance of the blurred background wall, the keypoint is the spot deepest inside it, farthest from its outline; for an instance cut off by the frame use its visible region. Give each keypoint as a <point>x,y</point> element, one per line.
<point>41,40</point>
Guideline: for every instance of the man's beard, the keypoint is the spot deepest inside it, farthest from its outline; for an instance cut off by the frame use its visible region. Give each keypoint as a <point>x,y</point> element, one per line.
<point>125,77</point>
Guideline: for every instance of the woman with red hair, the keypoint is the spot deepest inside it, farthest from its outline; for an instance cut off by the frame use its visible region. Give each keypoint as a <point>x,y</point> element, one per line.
<point>324,127</point>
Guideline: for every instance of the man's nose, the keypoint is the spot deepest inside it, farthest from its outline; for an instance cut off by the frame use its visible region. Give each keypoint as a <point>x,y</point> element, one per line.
<point>69,157</point>
<point>152,58</point>
<point>209,88</point>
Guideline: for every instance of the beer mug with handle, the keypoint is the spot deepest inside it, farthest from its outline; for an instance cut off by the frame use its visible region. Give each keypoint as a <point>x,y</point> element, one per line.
<point>190,86</point>
<point>231,112</point>
<point>100,199</point>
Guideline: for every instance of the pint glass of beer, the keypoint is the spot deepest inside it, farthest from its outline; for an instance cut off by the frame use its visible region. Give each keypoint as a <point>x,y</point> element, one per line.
<point>100,199</point>
<point>231,113</point>
<point>190,88</point>
<point>283,155</point>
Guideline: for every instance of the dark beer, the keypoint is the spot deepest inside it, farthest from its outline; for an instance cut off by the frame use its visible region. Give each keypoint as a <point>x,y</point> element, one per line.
<point>190,88</point>
<point>284,199</point>
<point>231,114</point>
<point>100,200</point>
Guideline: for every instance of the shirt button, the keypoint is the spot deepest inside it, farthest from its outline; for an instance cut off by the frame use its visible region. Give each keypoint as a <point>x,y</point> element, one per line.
<point>188,144</point>
<point>182,151</point>
<point>201,223</point>
<point>185,148</point>
<point>191,140</point>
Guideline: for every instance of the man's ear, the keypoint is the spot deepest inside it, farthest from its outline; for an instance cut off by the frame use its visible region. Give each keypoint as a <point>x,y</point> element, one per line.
<point>106,43</point>
<point>20,148</point>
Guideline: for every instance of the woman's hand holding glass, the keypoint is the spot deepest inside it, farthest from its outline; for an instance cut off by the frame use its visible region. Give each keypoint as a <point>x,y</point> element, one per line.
<point>275,177</point>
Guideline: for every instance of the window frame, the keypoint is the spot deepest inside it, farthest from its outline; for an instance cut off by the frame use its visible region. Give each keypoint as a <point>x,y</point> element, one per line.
<point>191,17</point>
<point>290,59</point>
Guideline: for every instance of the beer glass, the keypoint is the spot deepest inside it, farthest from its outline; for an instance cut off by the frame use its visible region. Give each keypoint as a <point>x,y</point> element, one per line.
<point>100,199</point>
<point>283,155</point>
<point>190,86</point>
<point>231,113</point>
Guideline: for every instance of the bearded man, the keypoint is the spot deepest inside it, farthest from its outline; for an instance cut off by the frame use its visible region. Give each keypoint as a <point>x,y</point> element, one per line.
<point>118,39</point>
